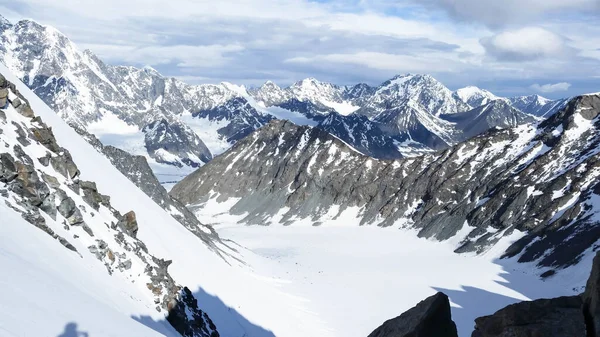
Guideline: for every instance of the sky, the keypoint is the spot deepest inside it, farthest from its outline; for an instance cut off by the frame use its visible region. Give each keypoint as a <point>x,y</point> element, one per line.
<point>510,47</point>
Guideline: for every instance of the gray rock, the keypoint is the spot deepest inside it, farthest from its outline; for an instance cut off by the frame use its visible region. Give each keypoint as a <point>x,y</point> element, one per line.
<point>591,299</point>
<point>129,223</point>
<point>90,194</point>
<point>68,208</point>
<point>557,317</point>
<point>16,103</point>
<point>185,316</point>
<point>8,170</point>
<point>28,184</point>
<point>429,318</point>
<point>63,163</point>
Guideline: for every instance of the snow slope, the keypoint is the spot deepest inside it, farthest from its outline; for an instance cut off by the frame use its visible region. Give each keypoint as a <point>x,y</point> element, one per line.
<point>46,287</point>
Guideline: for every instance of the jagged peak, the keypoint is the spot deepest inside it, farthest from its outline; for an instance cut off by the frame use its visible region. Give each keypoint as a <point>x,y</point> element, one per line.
<point>270,85</point>
<point>4,21</point>
<point>149,70</point>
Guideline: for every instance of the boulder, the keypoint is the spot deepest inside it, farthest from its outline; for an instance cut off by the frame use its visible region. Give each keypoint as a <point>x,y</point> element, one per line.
<point>591,299</point>
<point>556,317</point>
<point>3,98</point>
<point>64,164</point>
<point>68,209</point>
<point>25,110</point>
<point>129,223</point>
<point>429,318</point>
<point>8,170</point>
<point>185,316</point>
<point>16,103</point>
<point>90,194</point>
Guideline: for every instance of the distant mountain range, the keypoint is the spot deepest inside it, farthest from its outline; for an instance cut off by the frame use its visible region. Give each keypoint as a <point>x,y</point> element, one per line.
<point>541,179</point>
<point>180,127</point>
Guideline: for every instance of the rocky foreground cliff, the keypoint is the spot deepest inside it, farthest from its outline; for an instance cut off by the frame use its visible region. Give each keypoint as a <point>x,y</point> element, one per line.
<point>541,180</point>
<point>572,316</point>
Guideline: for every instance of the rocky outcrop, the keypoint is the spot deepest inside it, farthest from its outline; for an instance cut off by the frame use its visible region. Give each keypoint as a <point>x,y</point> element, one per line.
<point>539,179</point>
<point>429,318</point>
<point>557,317</point>
<point>186,314</point>
<point>572,316</point>
<point>591,300</point>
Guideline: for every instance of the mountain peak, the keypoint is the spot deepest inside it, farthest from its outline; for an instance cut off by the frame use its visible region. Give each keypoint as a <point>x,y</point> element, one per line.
<point>4,22</point>
<point>475,96</point>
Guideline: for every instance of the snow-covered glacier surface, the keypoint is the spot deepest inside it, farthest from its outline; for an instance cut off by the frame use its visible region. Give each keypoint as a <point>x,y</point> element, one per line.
<point>350,279</point>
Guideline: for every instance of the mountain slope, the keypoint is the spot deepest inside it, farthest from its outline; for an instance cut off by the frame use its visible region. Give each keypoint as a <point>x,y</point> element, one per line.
<point>424,90</point>
<point>362,134</point>
<point>476,97</point>
<point>210,270</point>
<point>495,114</point>
<point>42,184</point>
<point>537,105</point>
<point>539,179</point>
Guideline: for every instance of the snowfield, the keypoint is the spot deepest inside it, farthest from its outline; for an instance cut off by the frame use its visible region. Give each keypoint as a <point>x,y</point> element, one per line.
<point>352,278</point>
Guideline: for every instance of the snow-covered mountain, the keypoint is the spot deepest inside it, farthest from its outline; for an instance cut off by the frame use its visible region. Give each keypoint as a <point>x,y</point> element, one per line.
<point>538,179</point>
<point>494,114</point>
<point>423,90</point>
<point>476,97</point>
<point>537,105</point>
<point>145,113</point>
<point>74,251</point>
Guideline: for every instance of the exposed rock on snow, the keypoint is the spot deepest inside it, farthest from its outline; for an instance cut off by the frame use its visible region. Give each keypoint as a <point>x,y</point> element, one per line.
<point>429,318</point>
<point>555,317</point>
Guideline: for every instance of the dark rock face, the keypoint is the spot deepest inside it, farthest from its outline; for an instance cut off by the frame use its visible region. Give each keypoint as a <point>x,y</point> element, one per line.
<point>362,134</point>
<point>557,317</point>
<point>129,223</point>
<point>536,179</point>
<point>241,116</point>
<point>185,315</point>
<point>314,111</point>
<point>591,300</point>
<point>429,318</point>
<point>174,144</point>
<point>496,114</point>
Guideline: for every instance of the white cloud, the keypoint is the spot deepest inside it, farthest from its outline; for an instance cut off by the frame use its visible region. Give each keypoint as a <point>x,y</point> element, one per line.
<point>549,88</point>
<point>249,41</point>
<point>393,63</point>
<point>524,44</point>
<point>500,13</point>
